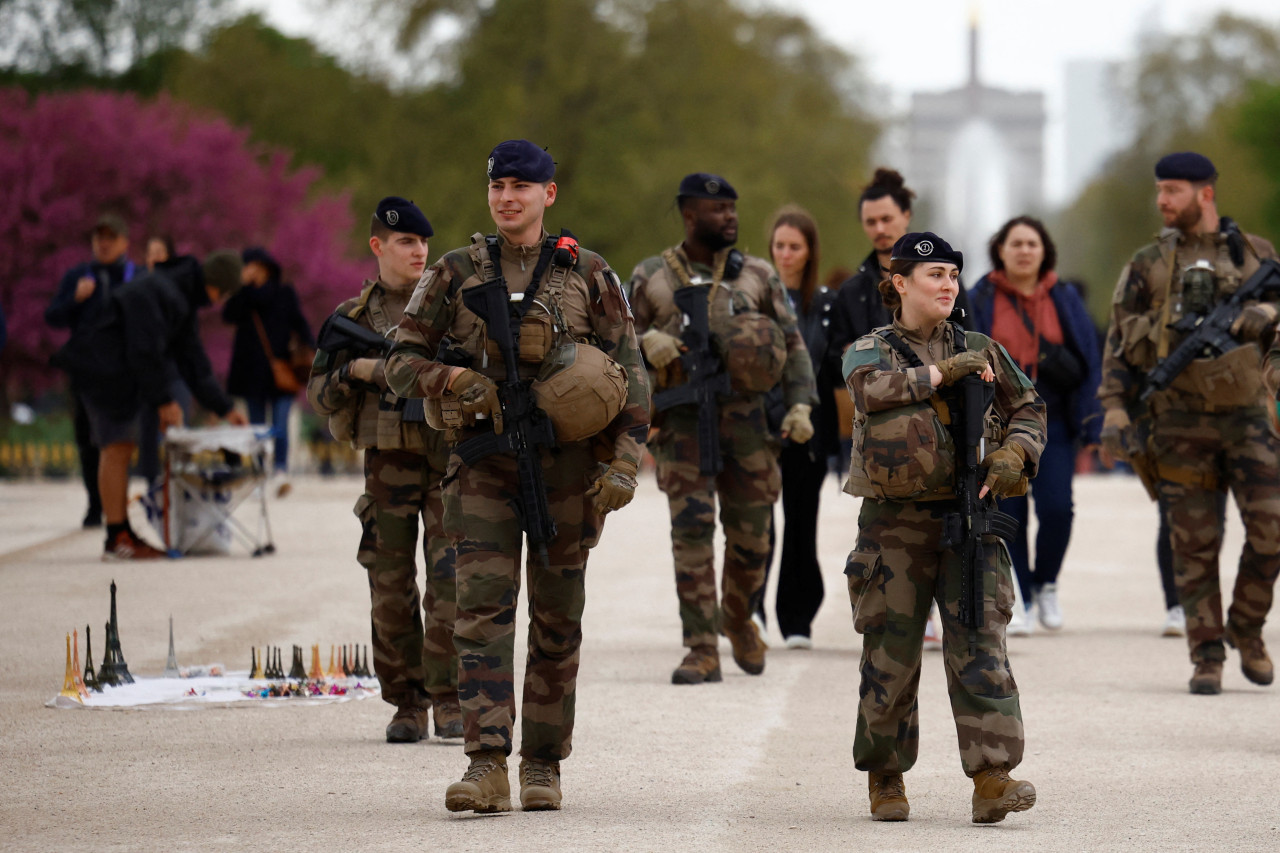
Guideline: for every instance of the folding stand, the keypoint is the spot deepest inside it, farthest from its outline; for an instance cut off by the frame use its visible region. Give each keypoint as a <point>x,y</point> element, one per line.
<point>208,474</point>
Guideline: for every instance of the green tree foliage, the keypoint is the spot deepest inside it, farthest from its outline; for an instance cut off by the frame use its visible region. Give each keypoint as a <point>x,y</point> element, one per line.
<point>1200,91</point>
<point>627,96</point>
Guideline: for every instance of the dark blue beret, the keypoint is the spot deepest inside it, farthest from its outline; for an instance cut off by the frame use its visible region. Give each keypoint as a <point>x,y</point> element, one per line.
<point>520,158</point>
<point>400,214</point>
<point>1185,166</point>
<point>926,246</point>
<point>705,185</point>
<point>257,254</point>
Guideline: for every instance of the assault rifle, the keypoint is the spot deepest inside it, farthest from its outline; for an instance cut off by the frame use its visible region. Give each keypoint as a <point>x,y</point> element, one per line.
<point>526,429</point>
<point>976,517</point>
<point>705,377</point>
<point>339,333</point>
<point>1209,336</point>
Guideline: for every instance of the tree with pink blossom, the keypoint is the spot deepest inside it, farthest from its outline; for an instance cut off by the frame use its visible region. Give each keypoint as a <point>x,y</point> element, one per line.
<point>167,169</point>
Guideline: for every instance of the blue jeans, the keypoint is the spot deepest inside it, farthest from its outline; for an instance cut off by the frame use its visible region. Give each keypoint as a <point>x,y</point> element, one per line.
<point>279,423</point>
<point>1051,489</point>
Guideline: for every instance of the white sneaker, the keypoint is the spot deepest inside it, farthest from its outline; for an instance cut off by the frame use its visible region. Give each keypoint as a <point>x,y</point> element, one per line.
<point>932,636</point>
<point>1047,607</point>
<point>280,484</point>
<point>799,641</point>
<point>1175,622</point>
<point>1020,623</point>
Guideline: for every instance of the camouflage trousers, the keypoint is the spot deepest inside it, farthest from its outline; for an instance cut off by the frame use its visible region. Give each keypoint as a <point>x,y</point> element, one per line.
<point>1199,456</point>
<point>481,518</point>
<point>747,488</point>
<point>410,654</point>
<point>899,567</point>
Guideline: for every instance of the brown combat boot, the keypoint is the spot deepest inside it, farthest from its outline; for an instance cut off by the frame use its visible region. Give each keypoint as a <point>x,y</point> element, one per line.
<point>748,647</point>
<point>1255,663</point>
<point>888,796</point>
<point>702,664</point>
<point>539,785</point>
<point>448,715</point>
<point>995,795</point>
<point>1207,678</point>
<point>409,725</point>
<point>484,787</point>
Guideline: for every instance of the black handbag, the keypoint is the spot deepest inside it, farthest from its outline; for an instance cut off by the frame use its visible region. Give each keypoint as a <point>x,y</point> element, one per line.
<point>1057,367</point>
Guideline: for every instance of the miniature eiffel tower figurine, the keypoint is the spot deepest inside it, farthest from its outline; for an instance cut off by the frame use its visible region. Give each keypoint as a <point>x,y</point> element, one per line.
<point>114,670</point>
<point>316,673</point>
<point>334,670</point>
<point>364,670</point>
<point>255,668</point>
<point>298,671</point>
<point>90,678</point>
<point>75,664</point>
<point>69,688</point>
<point>171,665</point>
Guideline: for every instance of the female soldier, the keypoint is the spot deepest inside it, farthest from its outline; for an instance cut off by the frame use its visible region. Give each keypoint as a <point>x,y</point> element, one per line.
<point>903,465</point>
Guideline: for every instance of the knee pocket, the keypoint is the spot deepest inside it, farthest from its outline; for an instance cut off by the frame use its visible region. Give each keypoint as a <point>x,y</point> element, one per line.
<point>366,510</point>
<point>866,591</point>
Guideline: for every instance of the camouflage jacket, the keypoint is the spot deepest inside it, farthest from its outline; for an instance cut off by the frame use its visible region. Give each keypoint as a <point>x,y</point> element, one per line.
<point>591,303</point>
<point>757,288</point>
<point>356,412</point>
<point>880,380</point>
<point>1148,298</point>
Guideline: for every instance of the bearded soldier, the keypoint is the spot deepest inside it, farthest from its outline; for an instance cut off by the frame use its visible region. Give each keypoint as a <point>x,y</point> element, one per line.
<point>575,350</point>
<point>1207,432</point>
<point>720,449</point>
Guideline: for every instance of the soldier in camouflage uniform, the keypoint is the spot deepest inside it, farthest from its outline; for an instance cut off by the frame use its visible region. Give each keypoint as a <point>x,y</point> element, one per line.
<point>577,298</point>
<point>750,481</point>
<point>404,461</point>
<point>903,466</point>
<point>1208,432</point>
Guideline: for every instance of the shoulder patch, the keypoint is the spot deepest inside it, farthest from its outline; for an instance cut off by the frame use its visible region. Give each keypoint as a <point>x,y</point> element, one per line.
<point>864,344</point>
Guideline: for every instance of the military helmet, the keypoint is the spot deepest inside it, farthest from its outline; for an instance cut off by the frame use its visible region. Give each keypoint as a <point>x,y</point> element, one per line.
<point>753,350</point>
<point>581,389</point>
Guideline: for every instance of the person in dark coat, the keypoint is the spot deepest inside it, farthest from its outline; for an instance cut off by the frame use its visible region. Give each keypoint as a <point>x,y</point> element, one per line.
<point>1044,325</point>
<point>265,308</point>
<point>795,253</point>
<point>127,360</point>
<point>81,294</point>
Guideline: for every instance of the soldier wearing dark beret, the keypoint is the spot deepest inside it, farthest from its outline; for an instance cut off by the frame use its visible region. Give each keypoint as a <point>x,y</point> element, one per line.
<point>404,463</point>
<point>755,327</point>
<point>563,299</point>
<point>900,379</point>
<point>1208,431</point>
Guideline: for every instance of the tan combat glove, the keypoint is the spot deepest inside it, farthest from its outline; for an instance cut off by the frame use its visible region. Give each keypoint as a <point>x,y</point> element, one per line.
<point>478,395</point>
<point>1004,470</point>
<point>961,365</point>
<point>660,348</point>
<point>796,425</point>
<point>1254,321</point>
<point>1114,426</point>
<point>615,488</point>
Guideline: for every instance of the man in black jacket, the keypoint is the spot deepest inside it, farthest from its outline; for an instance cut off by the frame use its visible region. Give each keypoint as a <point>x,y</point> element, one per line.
<point>143,340</point>
<point>81,293</point>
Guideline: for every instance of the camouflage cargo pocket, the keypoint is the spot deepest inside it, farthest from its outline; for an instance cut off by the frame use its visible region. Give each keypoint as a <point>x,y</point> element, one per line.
<point>366,509</point>
<point>866,594</point>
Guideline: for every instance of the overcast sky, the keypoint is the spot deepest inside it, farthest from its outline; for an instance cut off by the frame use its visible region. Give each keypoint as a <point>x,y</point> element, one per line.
<point>922,45</point>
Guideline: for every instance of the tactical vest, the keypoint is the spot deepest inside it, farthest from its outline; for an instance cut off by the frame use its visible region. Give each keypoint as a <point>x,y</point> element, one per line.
<point>907,452</point>
<point>1210,384</point>
<point>578,386</point>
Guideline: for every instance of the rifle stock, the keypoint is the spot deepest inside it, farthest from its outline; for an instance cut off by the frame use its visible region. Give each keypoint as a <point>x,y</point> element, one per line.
<point>340,333</point>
